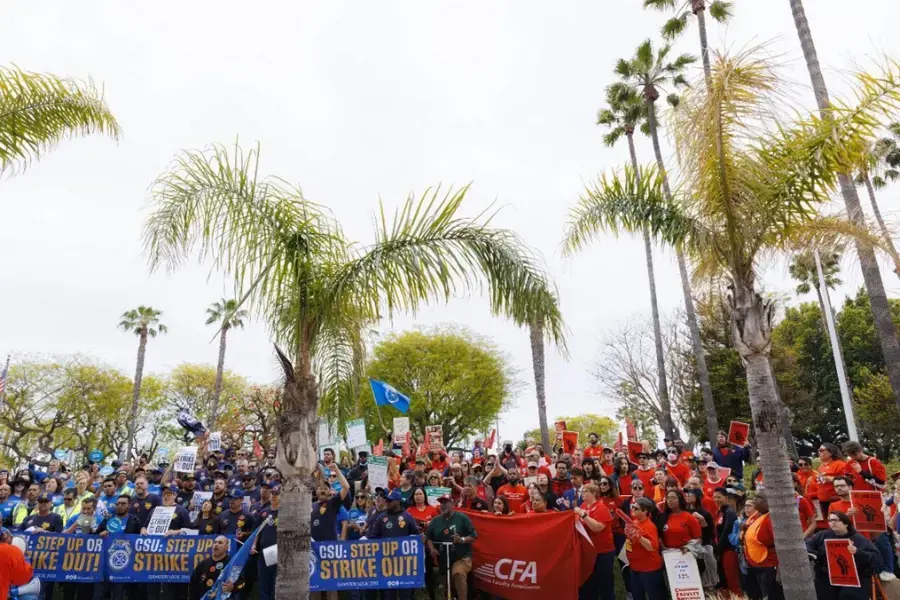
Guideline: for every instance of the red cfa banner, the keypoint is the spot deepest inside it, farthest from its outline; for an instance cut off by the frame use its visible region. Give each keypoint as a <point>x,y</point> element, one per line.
<point>868,515</point>
<point>841,566</point>
<point>512,559</point>
<point>738,432</point>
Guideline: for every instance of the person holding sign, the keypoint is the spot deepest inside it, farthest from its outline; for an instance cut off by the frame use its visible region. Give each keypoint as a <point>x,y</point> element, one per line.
<point>731,456</point>
<point>642,550</point>
<point>325,511</point>
<point>834,571</point>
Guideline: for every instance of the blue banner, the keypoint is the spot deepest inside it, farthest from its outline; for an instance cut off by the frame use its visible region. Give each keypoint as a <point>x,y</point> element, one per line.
<point>60,557</point>
<point>145,559</point>
<point>118,558</point>
<point>367,564</point>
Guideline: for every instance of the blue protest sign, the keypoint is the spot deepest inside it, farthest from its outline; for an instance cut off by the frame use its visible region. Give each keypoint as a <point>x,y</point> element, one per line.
<point>95,456</point>
<point>367,564</point>
<point>60,557</point>
<point>163,452</point>
<point>146,559</point>
<point>107,471</point>
<point>59,454</point>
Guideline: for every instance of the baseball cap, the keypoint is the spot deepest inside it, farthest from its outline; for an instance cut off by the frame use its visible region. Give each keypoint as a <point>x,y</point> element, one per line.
<point>236,494</point>
<point>712,465</point>
<point>168,489</point>
<point>276,489</point>
<point>531,463</point>
<point>445,498</point>
<point>395,495</point>
<point>45,497</point>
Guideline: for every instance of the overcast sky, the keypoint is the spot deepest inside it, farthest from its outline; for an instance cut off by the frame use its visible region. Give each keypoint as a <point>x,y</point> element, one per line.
<point>354,101</point>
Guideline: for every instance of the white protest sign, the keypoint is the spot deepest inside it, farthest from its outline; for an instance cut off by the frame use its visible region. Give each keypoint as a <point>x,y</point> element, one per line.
<point>356,433</point>
<point>684,576</point>
<point>270,555</point>
<point>326,435</point>
<point>215,441</point>
<point>378,472</point>
<point>186,459</point>
<point>401,428</point>
<point>433,493</point>
<point>435,436</point>
<point>197,501</point>
<point>160,520</point>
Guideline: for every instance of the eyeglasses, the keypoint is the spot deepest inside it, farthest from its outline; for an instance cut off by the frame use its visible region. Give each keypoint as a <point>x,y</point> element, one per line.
<point>637,487</point>
<point>604,483</point>
<point>823,449</point>
<point>834,520</point>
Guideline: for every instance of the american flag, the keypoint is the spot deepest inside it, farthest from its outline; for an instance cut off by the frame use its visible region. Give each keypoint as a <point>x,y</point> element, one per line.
<point>3,377</point>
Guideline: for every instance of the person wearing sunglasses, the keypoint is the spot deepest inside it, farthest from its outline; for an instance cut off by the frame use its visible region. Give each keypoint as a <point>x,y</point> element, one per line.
<point>598,521</point>
<point>864,553</point>
<point>644,558</point>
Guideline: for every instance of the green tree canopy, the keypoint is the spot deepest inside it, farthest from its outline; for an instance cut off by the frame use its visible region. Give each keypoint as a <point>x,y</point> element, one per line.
<point>452,377</point>
<point>193,386</point>
<point>606,428</point>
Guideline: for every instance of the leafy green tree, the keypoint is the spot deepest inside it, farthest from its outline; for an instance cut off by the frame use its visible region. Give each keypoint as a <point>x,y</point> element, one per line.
<point>453,377</point>
<point>605,428</point>
<point>746,194</point>
<point>887,332</point>
<point>227,314</point>
<point>39,110</point>
<point>144,323</point>
<point>194,387</point>
<point>318,292</point>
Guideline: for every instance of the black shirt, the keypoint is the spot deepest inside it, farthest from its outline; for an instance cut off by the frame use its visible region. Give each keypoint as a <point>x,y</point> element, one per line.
<point>389,525</point>
<point>230,522</point>
<point>49,522</point>
<point>181,519</point>
<point>116,524</point>
<point>205,574</point>
<point>142,508</point>
<point>324,519</point>
<point>220,505</point>
<point>206,526</point>
<point>268,535</point>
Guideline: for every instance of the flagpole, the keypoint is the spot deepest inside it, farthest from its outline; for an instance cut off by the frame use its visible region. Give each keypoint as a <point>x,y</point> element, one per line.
<point>5,378</point>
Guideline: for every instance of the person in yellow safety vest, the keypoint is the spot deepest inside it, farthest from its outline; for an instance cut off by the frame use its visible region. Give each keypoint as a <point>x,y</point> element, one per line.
<point>70,508</point>
<point>122,486</point>
<point>27,506</point>
<point>82,479</point>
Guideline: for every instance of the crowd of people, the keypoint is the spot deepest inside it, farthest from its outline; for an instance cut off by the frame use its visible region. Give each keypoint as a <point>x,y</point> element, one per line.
<point>120,498</point>
<point>673,499</point>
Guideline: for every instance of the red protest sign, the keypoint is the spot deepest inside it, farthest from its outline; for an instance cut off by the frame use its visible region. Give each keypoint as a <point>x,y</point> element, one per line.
<point>635,448</point>
<point>569,441</point>
<point>724,472</point>
<point>738,433</point>
<point>869,516</point>
<point>841,566</point>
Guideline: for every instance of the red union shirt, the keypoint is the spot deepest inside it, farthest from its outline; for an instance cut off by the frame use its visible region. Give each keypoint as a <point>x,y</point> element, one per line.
<point>603,540</point>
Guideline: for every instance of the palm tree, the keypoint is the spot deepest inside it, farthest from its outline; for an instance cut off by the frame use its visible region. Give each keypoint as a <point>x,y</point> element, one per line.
<point>878,168</point>
<point>318,292</point>
<point>536,336</point>
<point>887,154</point>
<point>733,213</point>
<point>626,113</point>
<point>881,312</point>
<point>647,72</point>
<point>674,27</point>
<point>144,323</point>
<point>229,315</point>
<point>39,110</point>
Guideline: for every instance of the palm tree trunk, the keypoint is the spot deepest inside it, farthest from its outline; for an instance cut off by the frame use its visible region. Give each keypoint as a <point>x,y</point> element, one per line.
<point>881,312</point>
<point>752,337</point>
<point>297,460</point>
<point>667,425</point>
<point>220,370</point>
<point>700,11</point>
<point>884,230</point>
<point>537,362</point>
<point>709,405</point>
<point>136,393</point>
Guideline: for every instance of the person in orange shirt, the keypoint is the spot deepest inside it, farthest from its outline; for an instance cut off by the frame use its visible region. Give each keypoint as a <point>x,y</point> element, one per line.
<point>832,465</point>
<point>675,468</point>
<point>805,474</point>
<point>594,449</point>
<point>645,471</point>
<point>643,552</point>
<point>759,550</point>
<point>598,521</point>
<point>14,569</point>
<point>870,474</point>
<point>515,493</point>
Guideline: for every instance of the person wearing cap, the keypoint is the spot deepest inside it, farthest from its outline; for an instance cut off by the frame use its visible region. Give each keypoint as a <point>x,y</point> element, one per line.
<point>263,500</point>
<point>143,502</point>
<point>154,480</point>
<point>268,537</point>
<point>70,509</point>
<point>123,486</point>
<point>186,491</point>
<point>452,527</point>
<point>712,479</point>
<point>26,507</point>
<point>395,521</point>
<point>44,519</point>
<point>236,521</point>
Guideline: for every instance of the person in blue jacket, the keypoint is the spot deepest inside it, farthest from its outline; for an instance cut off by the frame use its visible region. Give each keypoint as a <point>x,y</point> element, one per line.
<point>731,455</point>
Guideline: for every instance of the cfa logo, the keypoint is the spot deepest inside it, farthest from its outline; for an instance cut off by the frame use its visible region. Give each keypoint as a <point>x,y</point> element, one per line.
<point>518,570</point>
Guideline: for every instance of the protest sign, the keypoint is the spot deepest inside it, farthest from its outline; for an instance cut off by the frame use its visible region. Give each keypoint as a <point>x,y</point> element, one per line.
<point>393,563</point>
<point>197,501</point>
<point>215,441</point>
<point>378,467</point>
<point>59,557</point>
<point>435,436</point>
<point>59,454</point>
<point>560,427</point>
<point>186,459</point>
<point>433,493</point>
<point>95,456</point>
<point>356,433</point>
<point>142,559</point>
<point>869,516</point>
<point>401,428</point>
<point>818,508</point>
<point>841,565</point>
<point>635,448</point>
<point>683,575</point>
<point>738,433</point>
<point>569,441</point>
<point>160,520</point>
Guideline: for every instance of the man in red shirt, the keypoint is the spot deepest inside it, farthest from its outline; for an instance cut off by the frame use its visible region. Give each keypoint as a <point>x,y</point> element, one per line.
<point>606,461</point>
<point>645,471</point>
<point>515,493</point>
<point>675,468</point>
<point>593,449</point>
<point>870,472</point>
<point>561,483</point>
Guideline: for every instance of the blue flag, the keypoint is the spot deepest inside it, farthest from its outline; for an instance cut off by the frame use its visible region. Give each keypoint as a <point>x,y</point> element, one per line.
<point>235,566</point>
<point>386,395</point>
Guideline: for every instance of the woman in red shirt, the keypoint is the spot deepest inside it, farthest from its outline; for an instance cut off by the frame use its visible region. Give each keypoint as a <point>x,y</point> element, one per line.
<point>598,521</point>
<point>832,465</point>
<point>759,550</point>
<point>501,507</point>
<point>622,475</point>
<point>678,525</point>
<point>642,549</point>
<point>420,510</point>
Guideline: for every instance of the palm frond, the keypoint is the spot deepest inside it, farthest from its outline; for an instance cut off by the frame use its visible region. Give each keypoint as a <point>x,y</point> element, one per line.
<point>338,355</point>
<point>38,111</point>
<point>675,26</point>
<point>430,252</point>
<point>660,4</point>
<point>720,11</point>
